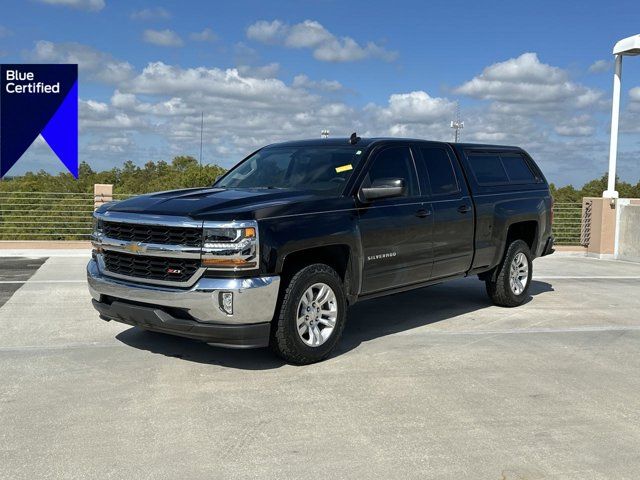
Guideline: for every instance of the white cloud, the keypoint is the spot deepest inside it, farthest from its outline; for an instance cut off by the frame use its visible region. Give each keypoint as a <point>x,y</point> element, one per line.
<point>303,81</point>
<point>491,126</point>
<point>159,78</point>
<point>100,116</point>
<point>412,114</point>
<point>578,126</point>
<point>575,130</point>
<point>165,108</point>
<point>5,32</point>
<point>267,32</point>
<point>308,34</point>
<point>527,81</point>
<point>417,107</point>
<point>163,38</point>
<point>312,35</point>
<point>95,107</point>
<point>95,64</point>
<point>91,5</point>
<point>633,107</point>
<point>152,13</point>
<point>123,100</point>
<point>111,144</point>
<point>269,70</point>
<point>206,35</point>
<point>241,110</point>
<point>600,66</point>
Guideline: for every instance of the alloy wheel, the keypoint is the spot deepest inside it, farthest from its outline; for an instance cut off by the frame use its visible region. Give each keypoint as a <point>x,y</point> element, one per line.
<point>317,314</point>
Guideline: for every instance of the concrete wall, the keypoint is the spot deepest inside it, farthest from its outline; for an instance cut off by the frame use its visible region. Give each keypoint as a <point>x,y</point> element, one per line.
<point>102,193</point>
<point>602,227</point>
<point>628,231</point>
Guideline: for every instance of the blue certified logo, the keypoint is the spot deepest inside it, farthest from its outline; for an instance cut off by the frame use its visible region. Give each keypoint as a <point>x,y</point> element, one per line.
<point>39,100</point>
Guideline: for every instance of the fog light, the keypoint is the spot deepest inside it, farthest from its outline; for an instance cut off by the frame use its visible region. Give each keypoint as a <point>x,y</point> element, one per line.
<point>226,302</point>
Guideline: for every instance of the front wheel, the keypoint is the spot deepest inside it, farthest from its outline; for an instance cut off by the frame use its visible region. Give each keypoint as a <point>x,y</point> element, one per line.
<point>510,287</point>
<point>311,316</point>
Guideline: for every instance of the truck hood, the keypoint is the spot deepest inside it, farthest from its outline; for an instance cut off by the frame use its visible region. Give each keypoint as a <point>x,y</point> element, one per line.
<point>211,203</point>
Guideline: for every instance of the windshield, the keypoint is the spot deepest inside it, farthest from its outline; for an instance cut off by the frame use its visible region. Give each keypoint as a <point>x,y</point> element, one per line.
<point>322,169</point>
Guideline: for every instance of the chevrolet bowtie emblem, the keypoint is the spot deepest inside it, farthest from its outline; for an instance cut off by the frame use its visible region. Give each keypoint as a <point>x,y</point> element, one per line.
<point>135,248</point>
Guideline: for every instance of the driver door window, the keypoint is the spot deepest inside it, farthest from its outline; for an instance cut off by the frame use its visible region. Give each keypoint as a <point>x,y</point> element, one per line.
<point>394,162</point>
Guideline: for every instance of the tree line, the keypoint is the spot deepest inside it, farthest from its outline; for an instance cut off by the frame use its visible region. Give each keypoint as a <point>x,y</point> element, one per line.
<point>593,188</point>
<point>185,172</point>
<point>182,172</point>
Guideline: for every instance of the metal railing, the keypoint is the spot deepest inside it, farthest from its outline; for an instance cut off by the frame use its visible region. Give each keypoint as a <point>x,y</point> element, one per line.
<point>567,223</point>
<point>67,216</point>
<point>47,215</point>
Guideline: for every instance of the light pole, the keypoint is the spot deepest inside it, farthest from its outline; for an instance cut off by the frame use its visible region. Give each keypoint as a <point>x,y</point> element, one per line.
<point>627,46</point>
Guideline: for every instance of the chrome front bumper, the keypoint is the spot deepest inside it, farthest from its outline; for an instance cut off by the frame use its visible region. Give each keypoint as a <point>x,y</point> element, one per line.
<point>254,299</point>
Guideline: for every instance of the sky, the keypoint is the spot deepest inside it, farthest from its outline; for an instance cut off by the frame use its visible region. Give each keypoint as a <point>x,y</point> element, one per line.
<point>533,74</point>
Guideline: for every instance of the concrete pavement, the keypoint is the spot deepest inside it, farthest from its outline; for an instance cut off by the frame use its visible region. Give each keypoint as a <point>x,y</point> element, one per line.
<point>435,383</point>
<point>14,272</point>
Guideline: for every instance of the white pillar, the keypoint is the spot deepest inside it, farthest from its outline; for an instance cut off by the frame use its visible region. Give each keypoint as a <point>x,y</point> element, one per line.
<point>613,146</point>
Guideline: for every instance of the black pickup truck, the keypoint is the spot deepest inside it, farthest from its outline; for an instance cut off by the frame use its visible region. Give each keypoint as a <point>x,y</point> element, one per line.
<point>277,249</point>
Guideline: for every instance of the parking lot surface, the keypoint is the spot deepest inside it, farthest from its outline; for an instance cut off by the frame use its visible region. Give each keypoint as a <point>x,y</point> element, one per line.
<point>434,383</point>
<point>14,271</point>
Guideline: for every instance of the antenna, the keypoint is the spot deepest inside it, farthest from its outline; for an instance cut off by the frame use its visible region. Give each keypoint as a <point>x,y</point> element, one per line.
<point>457,124</point>
<point>354,138</point>
<point>201,130</point>
<point>324,133</point>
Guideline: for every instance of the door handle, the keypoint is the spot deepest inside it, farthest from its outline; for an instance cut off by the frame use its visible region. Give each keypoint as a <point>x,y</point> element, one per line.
<point>422,213</point>
<point>464,208</point>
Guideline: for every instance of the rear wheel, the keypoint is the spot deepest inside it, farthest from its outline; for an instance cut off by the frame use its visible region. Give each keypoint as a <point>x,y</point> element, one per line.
<point>509,286</point>
<point>311,316</point>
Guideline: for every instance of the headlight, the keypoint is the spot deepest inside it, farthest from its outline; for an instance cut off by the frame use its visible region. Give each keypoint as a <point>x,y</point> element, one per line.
<point>97,226</point>
<point>96,236</point>
<point>230,246</point>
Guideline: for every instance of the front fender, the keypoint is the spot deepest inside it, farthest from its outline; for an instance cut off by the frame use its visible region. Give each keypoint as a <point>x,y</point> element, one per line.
<point>282,236</point>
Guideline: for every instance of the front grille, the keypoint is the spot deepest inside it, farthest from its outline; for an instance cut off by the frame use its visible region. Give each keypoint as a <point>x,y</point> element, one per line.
<point>151,268</point>
<point>133,232</point>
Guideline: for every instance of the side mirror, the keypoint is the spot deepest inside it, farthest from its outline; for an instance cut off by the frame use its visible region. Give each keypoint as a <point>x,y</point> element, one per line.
<point>382,188</point>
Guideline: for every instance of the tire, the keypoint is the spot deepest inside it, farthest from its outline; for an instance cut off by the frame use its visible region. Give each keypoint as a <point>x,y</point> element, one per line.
<point>295,347</point>
<point>499,286</point>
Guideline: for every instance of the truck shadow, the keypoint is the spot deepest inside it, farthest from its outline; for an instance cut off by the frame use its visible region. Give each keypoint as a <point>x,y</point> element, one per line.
<point>195,351</point>
<point>367,320</point>
<point>417,308</point>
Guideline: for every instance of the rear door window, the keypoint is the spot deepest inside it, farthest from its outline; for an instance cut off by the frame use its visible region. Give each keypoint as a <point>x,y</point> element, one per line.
<point>488,169</point>
<point>517,168</point>
<point>442,176</point>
